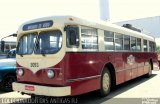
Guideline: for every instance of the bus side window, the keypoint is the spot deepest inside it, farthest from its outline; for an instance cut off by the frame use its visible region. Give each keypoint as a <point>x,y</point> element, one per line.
<point>145,47</point>
<point>109,41</point>
<point>89,38</point>
<point>118,41</point>
<point>72,36</point>
<point>151,46</point>
<point>133,44</point>
<point>127,42</point>
<point>139,48</point>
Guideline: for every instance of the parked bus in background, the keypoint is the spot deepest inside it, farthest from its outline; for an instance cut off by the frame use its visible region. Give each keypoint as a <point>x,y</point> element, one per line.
<point>66,56</point>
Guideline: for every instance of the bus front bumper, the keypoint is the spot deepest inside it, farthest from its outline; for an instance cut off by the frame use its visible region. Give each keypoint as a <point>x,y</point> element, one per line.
<point>41,90</point>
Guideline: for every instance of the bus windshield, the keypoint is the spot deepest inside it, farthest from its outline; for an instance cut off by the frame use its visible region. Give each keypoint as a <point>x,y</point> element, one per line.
<point>48,42</point>
<point>26,44</point>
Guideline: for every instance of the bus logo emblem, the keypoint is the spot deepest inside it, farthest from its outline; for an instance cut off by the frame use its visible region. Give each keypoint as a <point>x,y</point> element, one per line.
<point>130,59</point>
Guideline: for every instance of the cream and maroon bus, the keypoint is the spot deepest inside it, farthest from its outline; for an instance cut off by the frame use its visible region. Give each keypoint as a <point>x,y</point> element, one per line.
<point>67,55</point>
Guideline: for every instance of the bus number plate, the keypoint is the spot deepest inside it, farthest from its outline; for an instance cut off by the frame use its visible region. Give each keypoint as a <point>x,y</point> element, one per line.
<point>29,88</point>
<point>34,64</point>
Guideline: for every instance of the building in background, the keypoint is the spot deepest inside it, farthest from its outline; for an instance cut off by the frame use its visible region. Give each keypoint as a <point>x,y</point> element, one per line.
<point>150,26</point>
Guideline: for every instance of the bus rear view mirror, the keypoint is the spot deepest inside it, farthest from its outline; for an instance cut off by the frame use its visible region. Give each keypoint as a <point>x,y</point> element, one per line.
<point>2,45</point>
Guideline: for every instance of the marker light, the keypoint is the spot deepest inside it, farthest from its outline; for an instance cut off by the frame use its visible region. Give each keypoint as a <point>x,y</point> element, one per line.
<point>50,73</point>
<point>20,72</point>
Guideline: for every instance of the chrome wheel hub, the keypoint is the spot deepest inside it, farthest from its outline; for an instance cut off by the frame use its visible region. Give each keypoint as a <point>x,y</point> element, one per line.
<point>106,82</point>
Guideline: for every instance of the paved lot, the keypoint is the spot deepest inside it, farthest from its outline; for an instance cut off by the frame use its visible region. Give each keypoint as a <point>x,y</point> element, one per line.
<point>3,56</point>
<point>139,91</point>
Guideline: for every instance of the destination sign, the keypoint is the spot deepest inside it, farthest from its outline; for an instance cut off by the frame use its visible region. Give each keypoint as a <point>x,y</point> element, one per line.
<point>38,25</point>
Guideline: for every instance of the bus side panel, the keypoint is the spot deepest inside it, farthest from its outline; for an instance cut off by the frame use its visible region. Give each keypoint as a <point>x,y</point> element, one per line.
<point>119,67</point>
<point>127,67</point>
<point>80,65</point>
<point>140,67</point>
<point>120,77</point>
<point>83,70</point>
<point>134,73</point>
<point>81,87</point>
<point>146,67</point>
<point>135,66</point>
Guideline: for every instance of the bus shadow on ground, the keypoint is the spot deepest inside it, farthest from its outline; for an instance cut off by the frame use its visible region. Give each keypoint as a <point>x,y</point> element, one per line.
<point>92,97</point>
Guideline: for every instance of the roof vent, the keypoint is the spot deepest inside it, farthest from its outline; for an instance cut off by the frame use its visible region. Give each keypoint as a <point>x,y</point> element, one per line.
<point>129,26</point>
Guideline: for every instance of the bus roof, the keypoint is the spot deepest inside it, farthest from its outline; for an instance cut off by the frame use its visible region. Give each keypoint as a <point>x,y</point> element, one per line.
<point>72,20</point>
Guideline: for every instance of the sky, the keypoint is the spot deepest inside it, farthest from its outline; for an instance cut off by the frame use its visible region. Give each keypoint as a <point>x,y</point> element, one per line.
<point>15,12</point>
<point>133,9</point>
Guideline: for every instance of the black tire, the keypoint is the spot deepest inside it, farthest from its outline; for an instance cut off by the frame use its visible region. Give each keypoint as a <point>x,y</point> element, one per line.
<point>7,83</point>
<point>150,71</point>
<point>105,83</point>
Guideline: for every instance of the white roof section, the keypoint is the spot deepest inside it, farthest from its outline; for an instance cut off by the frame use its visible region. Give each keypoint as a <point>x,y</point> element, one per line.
<point>72,20</point>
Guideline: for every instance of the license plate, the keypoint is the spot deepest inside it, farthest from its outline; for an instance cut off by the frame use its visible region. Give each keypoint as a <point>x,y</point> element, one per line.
<point>29,88</point>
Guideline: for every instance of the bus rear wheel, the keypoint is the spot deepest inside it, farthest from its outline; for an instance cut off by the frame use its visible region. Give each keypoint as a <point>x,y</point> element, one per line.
<point>105,83</point>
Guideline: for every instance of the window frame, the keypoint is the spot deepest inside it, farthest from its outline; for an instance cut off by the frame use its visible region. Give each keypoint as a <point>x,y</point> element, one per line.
<point>58,43</point>
<point>93,35</point>
<point>128,44</point>
<point>152,46</point>
<point>135,40</point>
<point>137,44</point>
<point>146,45</point>
<point>119,39</point>
<point>26,34</point>
<point>67,38</point>
<point>109,38</point>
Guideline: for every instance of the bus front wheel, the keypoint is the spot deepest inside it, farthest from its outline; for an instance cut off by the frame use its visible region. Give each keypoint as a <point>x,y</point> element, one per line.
<point>105,83</point>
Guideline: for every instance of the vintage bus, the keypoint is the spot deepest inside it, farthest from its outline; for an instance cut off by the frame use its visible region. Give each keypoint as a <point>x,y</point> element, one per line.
<point>67,55</point>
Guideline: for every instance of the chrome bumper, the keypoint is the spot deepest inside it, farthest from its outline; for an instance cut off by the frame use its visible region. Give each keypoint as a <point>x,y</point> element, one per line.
<point>41,90</point>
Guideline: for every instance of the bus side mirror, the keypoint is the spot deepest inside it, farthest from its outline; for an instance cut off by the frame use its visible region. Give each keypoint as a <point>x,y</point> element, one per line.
<point>72,36</point>
<point>2,45</point>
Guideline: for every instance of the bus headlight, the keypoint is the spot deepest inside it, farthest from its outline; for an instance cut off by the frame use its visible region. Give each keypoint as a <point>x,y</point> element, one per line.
<point>20,72</point>
<point>50,73</point>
